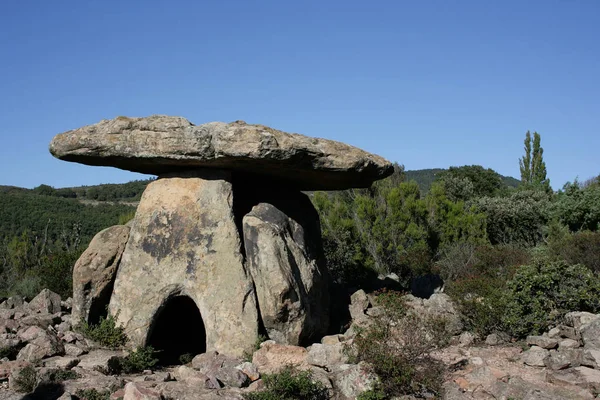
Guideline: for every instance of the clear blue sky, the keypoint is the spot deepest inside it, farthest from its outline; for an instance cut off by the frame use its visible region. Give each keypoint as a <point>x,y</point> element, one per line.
<point>425,83</point>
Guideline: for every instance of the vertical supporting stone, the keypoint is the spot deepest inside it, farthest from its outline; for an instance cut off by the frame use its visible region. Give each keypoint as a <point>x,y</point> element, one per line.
<point>184,241</point>
<point>282,240</point>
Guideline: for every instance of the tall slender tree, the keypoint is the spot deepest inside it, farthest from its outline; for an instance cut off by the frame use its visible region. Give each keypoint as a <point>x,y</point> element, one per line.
<point>533,167</point>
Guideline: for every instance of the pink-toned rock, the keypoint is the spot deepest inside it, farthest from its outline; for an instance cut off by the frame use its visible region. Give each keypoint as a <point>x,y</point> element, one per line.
<point>250,370</point>
<point>273,357</point>
<point>134,391</point>
<point>45,302</point>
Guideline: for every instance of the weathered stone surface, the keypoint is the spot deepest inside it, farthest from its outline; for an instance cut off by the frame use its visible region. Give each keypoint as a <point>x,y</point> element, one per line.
<point>95,271</point>
<point>591,358</point>
<point>169,253</point>
<point>577,319</point>
<point>542,341</point>
<point>159,144</point>
<point>438,305</point>
<point>350,380</point>
<point>135,391</point>
<point>41,344</point>
<point>45,302</point>
<point>273,357</point>
<point>580,376</point>
<point>590,334</point>
<point>359,302</point>
<point>282,242</point>
<point>535,356</point>
<point>564,358</point>
<point>98,359</point>
<point>250,370</point>
<point>322,355</point>
<point>568,344</point>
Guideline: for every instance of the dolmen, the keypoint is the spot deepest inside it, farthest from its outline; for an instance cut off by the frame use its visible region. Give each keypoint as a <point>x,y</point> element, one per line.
<point>224,246</point>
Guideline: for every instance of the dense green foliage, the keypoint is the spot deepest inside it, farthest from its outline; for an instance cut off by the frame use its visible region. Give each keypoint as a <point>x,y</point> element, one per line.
<point>137,361</point>
<point>391,228</point>
<point>290,384</point>
<point>106,332</point>
<point>93,394</point>
<point>42,236</point>
<point>130,191</point>
<point>541,293</point>
<point>532,165</point>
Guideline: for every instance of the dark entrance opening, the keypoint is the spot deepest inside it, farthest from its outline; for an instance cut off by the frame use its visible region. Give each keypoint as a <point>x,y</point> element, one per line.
<point>177,330</point>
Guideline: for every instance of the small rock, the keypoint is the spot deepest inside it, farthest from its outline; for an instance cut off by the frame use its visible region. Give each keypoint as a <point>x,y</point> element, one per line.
<point>250,370</point>
<point>45,302</point>
<point>272,357</point>
<point>568,344</point>
<point>359,302</point>
<point>590,334</point>
<point>332,339</point>
<point>232,377</point>
<point>350,380</point>
<point>577,319</point>
<point>495,339</point>
<point>535,356</point>
<point>323,355</point>
<point>134,391</point>
<point>579,376</point>
<point>562,359</point>
<point>72,350</point>
<point>542,341</point>
<point>554,333</point>
<point>466,339</point>
<point>591,358</point>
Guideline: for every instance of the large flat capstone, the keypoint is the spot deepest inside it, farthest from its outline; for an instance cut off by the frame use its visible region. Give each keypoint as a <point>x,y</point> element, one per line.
<point>161,144</point>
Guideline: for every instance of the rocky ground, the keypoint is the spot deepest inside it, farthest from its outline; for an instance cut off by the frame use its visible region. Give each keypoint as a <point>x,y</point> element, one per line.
<point>561,364</point>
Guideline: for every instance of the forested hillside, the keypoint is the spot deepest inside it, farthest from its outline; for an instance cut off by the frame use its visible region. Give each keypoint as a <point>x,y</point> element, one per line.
<point>426,177</point>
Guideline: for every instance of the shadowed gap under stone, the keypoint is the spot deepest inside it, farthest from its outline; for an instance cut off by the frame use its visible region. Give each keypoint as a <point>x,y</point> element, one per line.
<point>177,329</point>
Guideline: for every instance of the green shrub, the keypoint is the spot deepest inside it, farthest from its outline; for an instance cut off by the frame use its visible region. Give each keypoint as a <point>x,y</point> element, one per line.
<point>60,375</point>
<point>186,358</point>
<point>26,380</point>
<point>481,302</point>
<point>136,361</point>
<point>397,346</point>
<point>92,394</point>
<point>106,332</point>
<point>374,394</point>
<point>540,294</point>
<point>290,384</point>
<point>579,248</point>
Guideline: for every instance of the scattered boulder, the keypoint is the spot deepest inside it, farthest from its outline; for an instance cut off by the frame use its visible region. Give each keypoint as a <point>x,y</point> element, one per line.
<point>544,342</point>
<point>535,356</point>
<point>94,273</point>
<point>273,357</point>
<point>350,380</point>
<point>46,302</point>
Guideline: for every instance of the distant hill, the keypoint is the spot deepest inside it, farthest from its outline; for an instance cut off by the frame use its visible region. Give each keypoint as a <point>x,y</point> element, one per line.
<point>425,177</point>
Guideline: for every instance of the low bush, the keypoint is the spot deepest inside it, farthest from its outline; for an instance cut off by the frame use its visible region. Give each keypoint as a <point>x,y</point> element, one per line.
<point>60,375</point>
<point>397,346</point>
<point>541,293</point>
<point>579,248</point>
<point>92,394</point>
<point>290,384</point>
<point>106,332</point>
<point>137,361</point>
<point>26,380</point>
<point>481,302</point>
